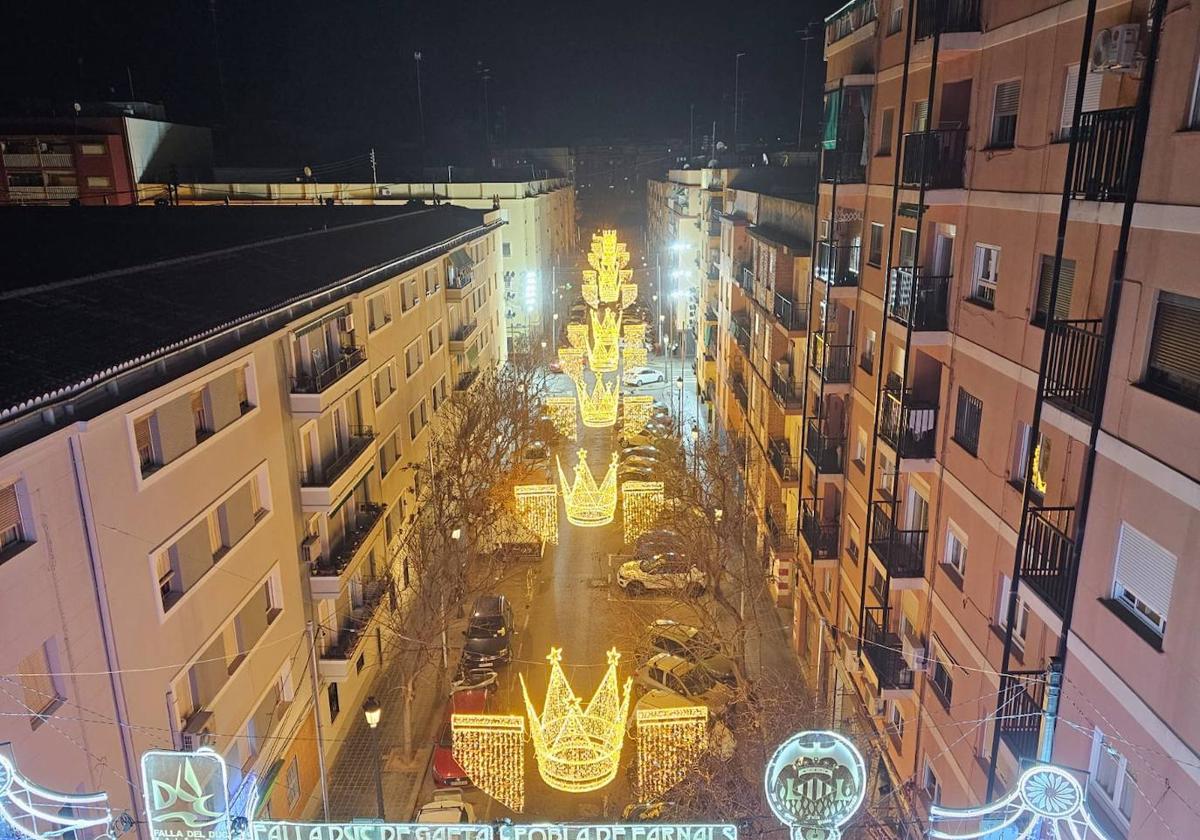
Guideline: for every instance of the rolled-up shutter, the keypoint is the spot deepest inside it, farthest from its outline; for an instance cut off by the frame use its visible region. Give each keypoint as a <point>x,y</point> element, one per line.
<point>10,513</point>
<point>1175,348</point>
<point>1145,568</point>
<point>1066,282</point>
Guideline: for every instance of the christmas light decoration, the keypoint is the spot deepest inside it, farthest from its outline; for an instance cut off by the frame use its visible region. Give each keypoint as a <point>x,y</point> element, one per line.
<point>577,336</point>
<point>590,290</point>
<point>579,749</point>
<point>629,293</point>
<point>491,749</point>
<point>634,352</point>
<point>1047,802</point>
<point>815,782</point>
<point>604,347</point>
<point>589,505</point>
<point>572,363</point>
<point>599,407</point>
<point>670,742</point>
<point>564,414</point>
<point>537,508</point>
<point>608,259</point>
<point>636,413</point>
<point>32,811</point>
<point>641,505</point>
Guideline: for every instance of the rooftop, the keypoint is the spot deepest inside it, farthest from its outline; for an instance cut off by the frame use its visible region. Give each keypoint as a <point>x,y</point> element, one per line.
<point>91,292</point>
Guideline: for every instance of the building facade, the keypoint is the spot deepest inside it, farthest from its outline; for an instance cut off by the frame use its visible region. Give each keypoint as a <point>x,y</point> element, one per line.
<point>1001,384</point>
<point>202,516</point>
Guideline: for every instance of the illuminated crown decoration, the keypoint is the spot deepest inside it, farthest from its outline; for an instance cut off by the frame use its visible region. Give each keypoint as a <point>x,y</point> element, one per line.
<point>670,742</point>
<point>572,362</point>
<point>599,407</point>
<point>604,347</point>
<point>537,508</point>
<point>608,259</point>
<point>577,337</point>
<point>634,352</point>
<point>641,505</point>
<point>579,749</point>
<point>636,411</point>
<point>491,749</point>
<point>564,411</point>
<point>589,505</point>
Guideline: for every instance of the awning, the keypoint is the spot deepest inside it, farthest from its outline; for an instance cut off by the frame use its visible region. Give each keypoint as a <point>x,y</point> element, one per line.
<point>461,260</point>
<point>833,101</point>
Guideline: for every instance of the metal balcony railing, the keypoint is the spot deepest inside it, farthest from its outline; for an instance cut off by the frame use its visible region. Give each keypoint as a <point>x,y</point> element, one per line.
<point>883,650</point>
<point>791,316</point>
<point>912,432</point>
<point>353,627</point>
<point>901,550</point>
<point>824,449</point>
<point>366,517</point>
<point>1020,717</point>
<point>946,16</point>
<point>782,459</point>
<point>837,263</point>
<point>463,331</point>
<point>326,474</point>
<point>849,19</point>
<point>788,393</point>
<point>1048,561</point>
<point>745,278</point>
<point>318,379</point>
<point>845,164</point>
<point>1073,366</point>
<point>934,158</point>
<point>820,534</point>
<point>1102,157</point>
<point>465,380</point>
<point>783,535</point>
<point>918,299</point>
<point>830,361</point>
<point>741,334</point>
<point>738,385</point>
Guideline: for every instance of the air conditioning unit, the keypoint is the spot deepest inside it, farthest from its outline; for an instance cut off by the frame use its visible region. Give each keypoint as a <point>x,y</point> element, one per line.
<point>385,192</point>
<point>346,322</point>
<point>914,654</point>
<point>1115,50</point>
<point>310,549</point>
<point>196,733</point>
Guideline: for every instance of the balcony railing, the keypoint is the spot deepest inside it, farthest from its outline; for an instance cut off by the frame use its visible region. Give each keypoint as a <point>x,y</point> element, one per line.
<point>849,19</point>
<point>1020,717</point>
<point>901,550</point>
<point>884,651</point>
<point>466,380</point>
<point>325,475</point>
<point>738,385</point>
<point>843,165</point>
<point>789,394</point>
<point>318,379</point>
<point>1102,156</point>
<point>367,516</point>
<point>354,626</point>
<point>837,263</point>
<point>1048,563</point>
<point>463,331</point>
<point>745,278</point>
<point>831,361</point>
<point>791,316</point>
<point>934,158</point>
<point>918,299</point>
<point>912,432</point>
<point>782,459</point>
<point>783,535</point>
<point>1073,367</point>
<point>946,16</point>
<point>741,334</point>
<point>824,449</point>
<point>820,534</point>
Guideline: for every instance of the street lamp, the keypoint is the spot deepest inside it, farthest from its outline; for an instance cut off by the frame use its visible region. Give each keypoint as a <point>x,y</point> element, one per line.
<point>373,712</point>
<point>554,334</point>
<point>695,451</point>
<point>679,388</point>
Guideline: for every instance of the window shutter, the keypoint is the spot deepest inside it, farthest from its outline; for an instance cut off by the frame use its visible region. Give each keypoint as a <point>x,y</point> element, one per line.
<point>1066,282</point>
<point>1091,94</point>
<point>141,434</point>
<point>10,514</point>
<point>1008,97</point>
<point>1176,330</point>
<point>920,115</point>
<point>1146,568</point>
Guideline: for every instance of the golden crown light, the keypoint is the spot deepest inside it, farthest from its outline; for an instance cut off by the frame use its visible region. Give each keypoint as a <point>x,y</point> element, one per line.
<point>604,348</point>
<point>599,407</point>
<point>537,508</point>
<point>589,505</point>
<point>571,361</point>
<point>564,411</point>
<point>636,410</point>
<point>641,505</point>
<point>579,749</point>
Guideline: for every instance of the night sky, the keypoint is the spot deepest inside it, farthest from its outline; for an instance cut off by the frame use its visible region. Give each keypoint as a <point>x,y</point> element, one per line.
<point>329,77</point>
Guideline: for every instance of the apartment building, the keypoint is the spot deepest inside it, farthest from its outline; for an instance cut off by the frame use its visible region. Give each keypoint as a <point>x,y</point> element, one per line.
<point>1000,395</point>
<point>202,482</point>
<point>539,234</point>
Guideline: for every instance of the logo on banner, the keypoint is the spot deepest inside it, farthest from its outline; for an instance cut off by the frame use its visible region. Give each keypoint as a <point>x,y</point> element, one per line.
<point>815,782</point>
<point>186,795</point>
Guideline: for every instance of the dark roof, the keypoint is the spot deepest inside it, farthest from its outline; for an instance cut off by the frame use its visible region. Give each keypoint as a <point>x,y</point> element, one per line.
<point>93,289</point>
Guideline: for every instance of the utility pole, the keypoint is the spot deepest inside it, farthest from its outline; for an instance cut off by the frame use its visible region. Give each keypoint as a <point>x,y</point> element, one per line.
<point>1054,675</point>
<point>712,141</point>
<point>485,76</point>
<point>805,36</point>
<point>691,131</point>
<point>374,179</point>
<point>737,66</point>
<point>312,672</point>
<point>420,103</point>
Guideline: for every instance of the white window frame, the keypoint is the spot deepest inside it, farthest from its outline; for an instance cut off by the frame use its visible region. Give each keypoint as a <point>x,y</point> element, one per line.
<point>1193,120</point>
<point>896,17</point>
<point>388,369</point>
<point>978,282</point>
<point>1123,777</point>
<point>409,374</point>
<point>955,534</point>
<point>387,311</point>
<point>927,774</point>
<point>1129,598</point>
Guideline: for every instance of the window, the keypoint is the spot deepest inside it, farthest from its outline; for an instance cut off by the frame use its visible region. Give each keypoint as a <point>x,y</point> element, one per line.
<point>941,677</point>
<point>417,420</point>
<point>1173,369</point>
<point>12,529</point>
<point>507,249</point>
<point>91,148</point>
<point>985,275</point>
<point>1041,460</point>
<point>40,683</point>
<point>956,549</point>
<point>1193,120</point>
<point>292,781</point>
<point>853,538</point>
<point>896,17</point>
<point>413,359</point>
<point>1091,97</point>
<point>930,783</point>
<point>334,706</point>
<point>99,181</point>
<point>1004,115</point>
<point>408,294</point>
<point>435,338</point>
<point>967,419</point>
<point>920,115</point>
<point>200,415</point>
<point>389,453</point>
<point>439,394</point>
<point>379,312</point>
<point>885,132</point>
<point>1144,577</point>
<point>860,450</point>
<point>433,280</point>
<point>827,584</point>
<point>1021,628</point>
<point>867,360</point>
<point>895,720</point>
<point>1066,282</point>
<point>384,383</point>
<point>1110,778</point>
<point>908,246</point>
<point>875,249</point>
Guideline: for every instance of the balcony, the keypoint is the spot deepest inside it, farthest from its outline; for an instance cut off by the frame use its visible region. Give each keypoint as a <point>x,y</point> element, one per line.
<point>1048,562</point>
<point>368,516</point>
<point>461,334</point>
<point>843,166</point>
<point>791,316</point>
<point>946,16</point>
<point>319,386</point>
<point>745,278</point>
<point>336,659</point>
<point>934,159</point>
<point>884,653</point>
<point>789,394</point>
<point>911,430</point>
<point>831,362</point>
<point>740,330</point>
<point>824,450</point>
<point>323,484</point>
<point>1073,366</point>
<point>1102,155</point>
<point>783,535</point>
<point>782,459</point>
<point>918,299</point>
<point>902,551</point>
<point>466,380</point>
<point>820,534</point>
<point>849,19</point>
<point>1020,719</point>
<point>837,263</point>
<point>738,385</point>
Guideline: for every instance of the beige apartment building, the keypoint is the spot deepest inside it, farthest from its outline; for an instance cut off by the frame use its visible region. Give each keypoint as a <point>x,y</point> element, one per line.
<point>1001,396</point>
<point>539,235</point>
<point>202,482</point>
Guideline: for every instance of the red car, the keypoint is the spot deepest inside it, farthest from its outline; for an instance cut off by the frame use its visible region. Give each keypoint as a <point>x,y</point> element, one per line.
<point>446,771</point>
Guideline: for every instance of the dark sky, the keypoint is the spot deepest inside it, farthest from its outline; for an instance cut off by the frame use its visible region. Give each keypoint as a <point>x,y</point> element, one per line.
<point>340,73</point>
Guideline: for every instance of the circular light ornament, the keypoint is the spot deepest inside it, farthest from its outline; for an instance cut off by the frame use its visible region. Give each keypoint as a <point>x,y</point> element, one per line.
<point>1050,791</point>
<point>815,782</point>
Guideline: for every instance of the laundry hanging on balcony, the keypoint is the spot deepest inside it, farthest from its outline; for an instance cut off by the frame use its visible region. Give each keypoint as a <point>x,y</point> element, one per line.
<point>833,103</point>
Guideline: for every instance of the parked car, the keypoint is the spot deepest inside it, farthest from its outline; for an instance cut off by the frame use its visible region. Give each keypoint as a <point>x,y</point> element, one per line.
<point>635,472</point>
<point>447,806</point>
<point>643,376</point>
<point>447,772</point>
<point>694,645</point>
<point>641,461</point>
<point>555,366</point>
<point>667,571</point>
<point>646,450</point>
<point>489,632</point>
<point>657,541</point>
<point>664,672</point>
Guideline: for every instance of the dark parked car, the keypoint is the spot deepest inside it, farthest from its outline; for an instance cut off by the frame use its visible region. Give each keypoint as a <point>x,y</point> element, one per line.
<point>489,632</point>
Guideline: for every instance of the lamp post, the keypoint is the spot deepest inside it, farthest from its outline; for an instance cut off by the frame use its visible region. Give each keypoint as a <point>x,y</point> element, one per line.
<point>373,712</point>
<point>554,336</point>
<point>679,389</point>
<point>695,452</point>
<point>666,351</point>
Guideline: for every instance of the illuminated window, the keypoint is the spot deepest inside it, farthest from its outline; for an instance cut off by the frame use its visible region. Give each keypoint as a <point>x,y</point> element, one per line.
<point>99,182</point>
